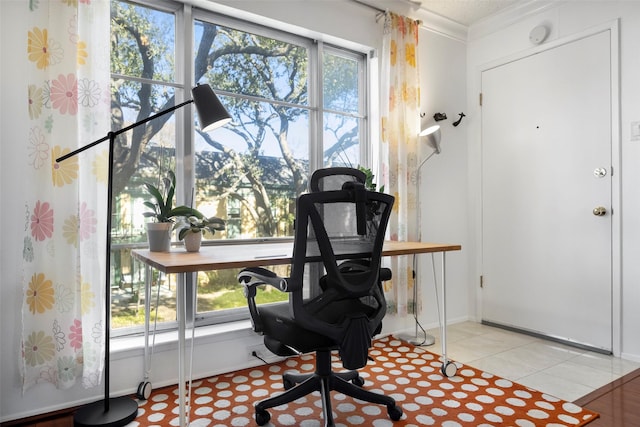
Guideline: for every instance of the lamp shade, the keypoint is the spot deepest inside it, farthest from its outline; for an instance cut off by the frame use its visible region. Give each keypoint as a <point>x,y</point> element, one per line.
<point>432,132</point>
<point>211,112</point>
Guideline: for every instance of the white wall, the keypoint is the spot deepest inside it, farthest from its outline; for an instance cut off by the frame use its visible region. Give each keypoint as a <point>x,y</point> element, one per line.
<point>443,193</point>
<point>13,123</point>
<point>487,45</point>
<point>443,185</point>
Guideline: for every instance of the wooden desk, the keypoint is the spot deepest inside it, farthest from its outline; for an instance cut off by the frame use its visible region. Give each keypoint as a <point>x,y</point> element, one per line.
<point>255,255</point>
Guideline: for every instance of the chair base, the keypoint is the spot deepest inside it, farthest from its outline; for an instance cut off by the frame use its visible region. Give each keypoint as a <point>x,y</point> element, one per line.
<point>324,381</point>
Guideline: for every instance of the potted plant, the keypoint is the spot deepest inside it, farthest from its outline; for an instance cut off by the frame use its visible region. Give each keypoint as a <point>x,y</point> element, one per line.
<point>192,228</point>
<point>163,213</point>
<point>373,208</point>
<point>369,182</point>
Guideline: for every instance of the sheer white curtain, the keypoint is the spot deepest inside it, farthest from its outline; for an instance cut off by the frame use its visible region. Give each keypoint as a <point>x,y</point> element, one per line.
<point>68,98</point>
<point>400,114</point>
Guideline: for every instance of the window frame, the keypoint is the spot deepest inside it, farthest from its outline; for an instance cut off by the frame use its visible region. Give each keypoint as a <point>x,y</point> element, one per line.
<point>185,17</point>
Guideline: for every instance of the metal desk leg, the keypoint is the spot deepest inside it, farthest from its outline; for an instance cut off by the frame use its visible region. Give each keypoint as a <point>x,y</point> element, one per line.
<point>147,314</point>
<point>448,368</point>
<point>181,314</point>
<point>144,388</point>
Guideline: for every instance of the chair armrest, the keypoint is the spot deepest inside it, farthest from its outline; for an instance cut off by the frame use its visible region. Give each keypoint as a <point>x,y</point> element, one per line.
<point>359,264</point>
<point>255,276</point>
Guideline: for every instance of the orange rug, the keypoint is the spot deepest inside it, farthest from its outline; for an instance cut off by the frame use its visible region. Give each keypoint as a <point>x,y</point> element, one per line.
<point>409,374</point>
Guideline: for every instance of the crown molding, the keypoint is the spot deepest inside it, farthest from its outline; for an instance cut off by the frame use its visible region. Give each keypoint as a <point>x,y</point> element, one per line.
<point>440,25</point>
<point>508,16</point>
<point>430,21</point>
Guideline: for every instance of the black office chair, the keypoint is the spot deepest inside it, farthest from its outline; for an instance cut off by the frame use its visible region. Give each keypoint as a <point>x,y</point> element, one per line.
<point>346,313</point>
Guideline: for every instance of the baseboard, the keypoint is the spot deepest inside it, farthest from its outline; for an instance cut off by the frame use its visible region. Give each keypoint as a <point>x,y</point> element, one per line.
<point>559,340</point>
<point>59,418</point>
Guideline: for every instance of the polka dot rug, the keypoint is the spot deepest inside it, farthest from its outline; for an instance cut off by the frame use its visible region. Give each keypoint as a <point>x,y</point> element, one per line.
<point>411,375</point>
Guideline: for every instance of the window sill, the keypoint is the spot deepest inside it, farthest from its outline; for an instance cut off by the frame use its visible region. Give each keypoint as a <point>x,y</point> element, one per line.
<point>133,346</point>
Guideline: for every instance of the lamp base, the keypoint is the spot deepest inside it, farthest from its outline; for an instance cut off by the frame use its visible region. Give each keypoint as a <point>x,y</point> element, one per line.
<point>426,341</point>
<point>122,410</point>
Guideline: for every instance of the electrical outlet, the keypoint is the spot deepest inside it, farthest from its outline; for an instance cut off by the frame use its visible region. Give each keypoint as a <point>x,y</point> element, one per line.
<point>255,350</point>
<point>259,352</point>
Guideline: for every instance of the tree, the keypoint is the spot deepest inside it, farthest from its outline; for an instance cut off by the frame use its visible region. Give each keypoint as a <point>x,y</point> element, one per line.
<point>271,79</point>
<point>268,70</point>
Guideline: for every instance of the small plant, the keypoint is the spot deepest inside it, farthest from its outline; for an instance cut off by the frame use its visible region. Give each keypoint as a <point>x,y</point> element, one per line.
<point>161,208</point>
<point>373,208</point>
<point>369,183</point>
<point>199,223</point>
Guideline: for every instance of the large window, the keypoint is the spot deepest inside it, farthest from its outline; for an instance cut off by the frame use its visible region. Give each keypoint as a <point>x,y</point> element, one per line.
<point>297,105</point>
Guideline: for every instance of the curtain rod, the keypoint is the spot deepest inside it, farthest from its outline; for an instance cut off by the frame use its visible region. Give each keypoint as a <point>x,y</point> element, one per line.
<point>370,6</point>
<point>380,12</point>
<point>412,3</point>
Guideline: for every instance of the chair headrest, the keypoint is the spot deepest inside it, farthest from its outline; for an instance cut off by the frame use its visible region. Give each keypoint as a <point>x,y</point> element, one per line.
<point>359,196</point>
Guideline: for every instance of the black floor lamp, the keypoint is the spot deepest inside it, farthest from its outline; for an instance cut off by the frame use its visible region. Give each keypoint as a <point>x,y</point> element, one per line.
<point>118,411</point>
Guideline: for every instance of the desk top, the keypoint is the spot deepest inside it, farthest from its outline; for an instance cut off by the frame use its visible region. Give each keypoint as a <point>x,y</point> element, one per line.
<point>225,256</point>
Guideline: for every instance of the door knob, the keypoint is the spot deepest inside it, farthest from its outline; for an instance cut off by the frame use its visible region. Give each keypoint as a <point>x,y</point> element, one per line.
<point>600,211</point>
<point>600,172</point>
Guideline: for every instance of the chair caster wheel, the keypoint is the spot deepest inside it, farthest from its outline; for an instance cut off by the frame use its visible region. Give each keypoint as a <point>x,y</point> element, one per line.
<point>449,369</point>
<point>288,384</point>
<point>395,412</point>
<point>262,417</point>
<point>144,390</point>
<point>358,381</point>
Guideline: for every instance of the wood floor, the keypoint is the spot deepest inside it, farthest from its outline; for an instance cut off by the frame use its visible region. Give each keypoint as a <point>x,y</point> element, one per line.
<point>618,404</point>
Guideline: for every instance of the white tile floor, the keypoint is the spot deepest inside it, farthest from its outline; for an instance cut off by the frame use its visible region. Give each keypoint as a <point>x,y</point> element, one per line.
<point>562,371</point>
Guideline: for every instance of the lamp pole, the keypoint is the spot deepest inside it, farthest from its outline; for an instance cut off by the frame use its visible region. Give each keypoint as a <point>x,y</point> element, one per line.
<point>116,412</point>
<point>432,133</point>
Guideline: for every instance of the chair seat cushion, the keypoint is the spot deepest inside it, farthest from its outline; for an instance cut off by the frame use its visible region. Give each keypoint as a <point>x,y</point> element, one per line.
<point>281,331</point>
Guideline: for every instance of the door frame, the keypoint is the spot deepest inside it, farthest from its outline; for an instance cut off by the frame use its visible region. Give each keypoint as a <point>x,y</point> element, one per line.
<point>616,236</point>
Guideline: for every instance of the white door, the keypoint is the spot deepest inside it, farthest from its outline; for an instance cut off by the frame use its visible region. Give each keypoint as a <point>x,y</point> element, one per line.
<point>546,165</point>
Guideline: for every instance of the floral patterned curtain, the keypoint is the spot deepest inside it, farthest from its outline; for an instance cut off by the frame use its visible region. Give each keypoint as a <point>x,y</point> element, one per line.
<point>400,99</point>
<point>64,241</point>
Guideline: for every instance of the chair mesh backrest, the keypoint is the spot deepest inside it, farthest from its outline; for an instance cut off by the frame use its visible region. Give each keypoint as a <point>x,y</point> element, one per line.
<point>337,219</point>
<point>352,304</point>
<point>329,179</point>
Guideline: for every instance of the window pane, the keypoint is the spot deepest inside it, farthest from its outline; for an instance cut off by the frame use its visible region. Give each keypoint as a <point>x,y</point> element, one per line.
<point>341,141</point>
<point>128,294</point>
<point>250,171</point>
<point>155,145</point>
<point>219,292</point>
<point>142,42</point>
<point>250,174</point>
<point>342,117</point>
<point>341,83</point>
<point>143,154</point>
<point>249,64</point>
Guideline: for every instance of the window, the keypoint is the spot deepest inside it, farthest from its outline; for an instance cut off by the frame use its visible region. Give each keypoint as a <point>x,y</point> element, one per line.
<point>296,104</point>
